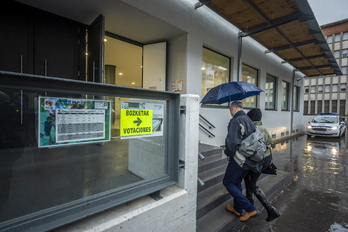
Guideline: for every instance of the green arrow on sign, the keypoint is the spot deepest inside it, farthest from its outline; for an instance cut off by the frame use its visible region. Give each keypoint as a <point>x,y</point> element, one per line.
<point>138,121</point>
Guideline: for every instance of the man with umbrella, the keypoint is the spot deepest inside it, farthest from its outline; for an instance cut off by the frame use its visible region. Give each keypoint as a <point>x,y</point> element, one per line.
<point>239,127</point>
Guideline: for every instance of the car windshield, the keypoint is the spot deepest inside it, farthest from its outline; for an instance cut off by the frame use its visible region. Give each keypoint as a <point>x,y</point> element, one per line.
<point>323,119</point>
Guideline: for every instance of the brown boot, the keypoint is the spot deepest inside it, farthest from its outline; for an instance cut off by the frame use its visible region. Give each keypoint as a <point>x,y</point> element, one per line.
<point>232,210</point>
<point>249,215</point>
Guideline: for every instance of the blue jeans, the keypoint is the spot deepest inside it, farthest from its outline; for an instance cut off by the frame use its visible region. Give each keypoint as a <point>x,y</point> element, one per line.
<point>233,182</point>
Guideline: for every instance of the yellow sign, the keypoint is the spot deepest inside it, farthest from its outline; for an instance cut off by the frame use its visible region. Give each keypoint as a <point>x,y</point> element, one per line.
<point>136,122</point>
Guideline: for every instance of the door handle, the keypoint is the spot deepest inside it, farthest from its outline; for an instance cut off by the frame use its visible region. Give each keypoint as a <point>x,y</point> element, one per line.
<point>45,67</point>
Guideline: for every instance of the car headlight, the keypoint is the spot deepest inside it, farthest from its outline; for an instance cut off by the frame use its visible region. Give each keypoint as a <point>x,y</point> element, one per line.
<point>309,127</point>
<point>334,128</point>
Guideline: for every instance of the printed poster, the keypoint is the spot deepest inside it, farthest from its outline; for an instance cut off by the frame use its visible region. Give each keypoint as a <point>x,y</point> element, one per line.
<point>141,119</point>
<point>66,121</point>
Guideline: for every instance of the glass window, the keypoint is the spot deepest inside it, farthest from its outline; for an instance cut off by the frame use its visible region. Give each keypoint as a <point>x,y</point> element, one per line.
<point>334,106</point>
<point>319,106</point>
<point>327,106</point>
<point>313,89</point>
<point>342,107</point>
<point>337,37</point>
<point>345,35</point>
<point>296,101</point>
<point>329,39</point>
<point>306,89</point>
<point>344,70</point>
<point>250,75</point>
<point>336,54</point>
<point>343,87</point>
<point>335,88</point>
<point>270,92</point>
<point>305,107</point>
<point>52,160</point>
<point>215,70</point>
<point>285,95</point>
<point>327,88</point>
<point>344,52</point>
<point>320,88</point>
<point>312,110</point>
<point>120,69</point>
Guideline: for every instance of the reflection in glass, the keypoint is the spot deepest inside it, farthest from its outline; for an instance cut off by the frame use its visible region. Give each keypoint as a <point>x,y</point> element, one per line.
<point>38,178</point>
<point>270,92</point>
<point>215,70</point>
<point>250,75</point>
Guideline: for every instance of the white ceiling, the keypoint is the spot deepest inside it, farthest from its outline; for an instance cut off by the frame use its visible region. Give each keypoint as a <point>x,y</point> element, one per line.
<point>120,18</point>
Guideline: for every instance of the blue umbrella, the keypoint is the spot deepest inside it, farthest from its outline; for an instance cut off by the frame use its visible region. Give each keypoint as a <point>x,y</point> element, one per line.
<point>231,91</point>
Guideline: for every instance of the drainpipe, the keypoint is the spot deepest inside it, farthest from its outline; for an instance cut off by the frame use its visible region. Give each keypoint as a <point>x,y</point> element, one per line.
<point>240,45</point>
<point>292,101</point>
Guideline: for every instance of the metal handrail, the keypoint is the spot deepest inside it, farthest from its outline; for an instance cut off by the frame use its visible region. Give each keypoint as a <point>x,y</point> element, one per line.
<point>209,123</point>
<point>207,131</point>
<point>199,181</point>
<point>200,156</point>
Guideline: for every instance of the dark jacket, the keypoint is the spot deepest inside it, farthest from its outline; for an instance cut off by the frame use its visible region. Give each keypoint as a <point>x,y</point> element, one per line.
<point>239,127</point>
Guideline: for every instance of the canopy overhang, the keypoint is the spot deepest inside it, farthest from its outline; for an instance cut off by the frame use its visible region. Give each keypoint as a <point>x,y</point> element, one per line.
<point>287,28</point>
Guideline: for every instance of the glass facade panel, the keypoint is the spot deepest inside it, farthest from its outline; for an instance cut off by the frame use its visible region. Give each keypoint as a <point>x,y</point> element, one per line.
<point>215,70</point>
<point>285,95</point>
<point>305,107</point>
<point>329,39</point>
<point>296,101</point>
<point>250,75</point>
<point>270,92</point>
<point>320,105</point>
<point>327,88</point>
<point>337,37</point>
<point>343,87</point>
<point>342,107</point>
<point>312,110</point>
<point>327,106</point>
<point>345,35</point>
<point>334,106</point>
<point>121,69</point>
<point>336,54</point>
<point>335,88</point>
<point>344,70</point>
<point>320,88</point>
<point>56,175</point>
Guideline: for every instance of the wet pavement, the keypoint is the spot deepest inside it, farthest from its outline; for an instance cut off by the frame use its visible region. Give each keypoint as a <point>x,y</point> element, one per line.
<point>316,200</point>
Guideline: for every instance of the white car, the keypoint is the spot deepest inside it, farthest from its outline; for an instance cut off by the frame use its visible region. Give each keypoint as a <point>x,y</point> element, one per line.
<point>326,124</point>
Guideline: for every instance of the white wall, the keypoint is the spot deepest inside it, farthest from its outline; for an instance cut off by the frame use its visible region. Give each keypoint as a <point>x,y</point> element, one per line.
<point>206,28</point>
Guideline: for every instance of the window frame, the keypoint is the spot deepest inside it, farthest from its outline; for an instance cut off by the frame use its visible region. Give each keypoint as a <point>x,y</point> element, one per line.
<point>345,35</point>
<point>296,98</point>
<point>274,94</point>
<point>256,84</point>
<point>68,212</point>
<point>224,105</point>
<point>285,104</point>
<point>305,108</point>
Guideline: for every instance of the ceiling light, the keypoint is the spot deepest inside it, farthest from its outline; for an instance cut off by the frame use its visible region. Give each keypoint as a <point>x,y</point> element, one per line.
<point>133,83</point>
<point>120,74</point>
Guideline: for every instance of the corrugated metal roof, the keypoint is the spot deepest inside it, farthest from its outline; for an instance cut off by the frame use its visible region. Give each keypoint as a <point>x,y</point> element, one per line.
<point>287,28</point>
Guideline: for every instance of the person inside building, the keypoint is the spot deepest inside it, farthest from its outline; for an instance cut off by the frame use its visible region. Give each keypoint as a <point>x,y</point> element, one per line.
<point>251,178</point>
<point>239,127</point>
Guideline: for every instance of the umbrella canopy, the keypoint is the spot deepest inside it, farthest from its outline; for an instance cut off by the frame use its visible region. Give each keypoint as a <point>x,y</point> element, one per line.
<point>231,91</point>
